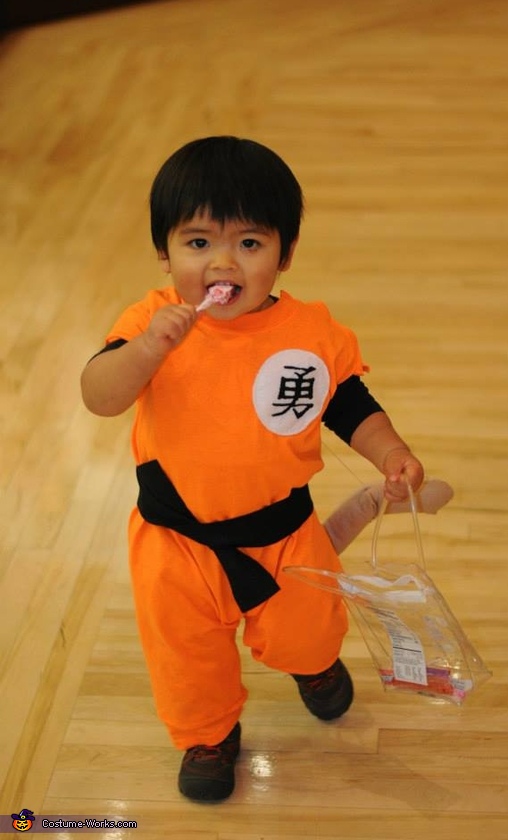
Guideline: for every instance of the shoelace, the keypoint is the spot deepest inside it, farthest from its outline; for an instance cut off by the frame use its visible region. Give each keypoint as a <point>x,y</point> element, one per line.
<point>221,752</point>
<point>324,680</point>
<point>203,753</point>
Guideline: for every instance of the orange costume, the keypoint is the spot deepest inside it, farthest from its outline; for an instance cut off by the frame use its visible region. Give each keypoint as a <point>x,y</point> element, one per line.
<point>232,418</point>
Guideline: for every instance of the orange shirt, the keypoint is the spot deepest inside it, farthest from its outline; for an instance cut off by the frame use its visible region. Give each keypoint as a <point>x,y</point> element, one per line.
<point>233,414</point>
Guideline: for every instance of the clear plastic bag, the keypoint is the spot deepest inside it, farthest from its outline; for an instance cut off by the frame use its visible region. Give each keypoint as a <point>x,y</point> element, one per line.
<point>415,642</point>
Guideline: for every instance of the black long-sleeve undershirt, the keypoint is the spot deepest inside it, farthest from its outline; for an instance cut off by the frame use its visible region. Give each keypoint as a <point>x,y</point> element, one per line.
<point>351,404</point>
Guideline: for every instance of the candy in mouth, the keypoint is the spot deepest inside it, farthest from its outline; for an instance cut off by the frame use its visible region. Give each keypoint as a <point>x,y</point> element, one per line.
<point>220,293</point>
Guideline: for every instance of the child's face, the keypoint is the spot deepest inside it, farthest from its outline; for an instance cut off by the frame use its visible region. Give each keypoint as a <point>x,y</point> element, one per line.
<point>203,252</point>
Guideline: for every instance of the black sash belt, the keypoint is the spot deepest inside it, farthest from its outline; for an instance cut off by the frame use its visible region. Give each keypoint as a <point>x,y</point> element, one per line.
<point>160,504</point>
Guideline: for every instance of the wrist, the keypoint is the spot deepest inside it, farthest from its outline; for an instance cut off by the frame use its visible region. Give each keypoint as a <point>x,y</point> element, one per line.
<point>152,350</point>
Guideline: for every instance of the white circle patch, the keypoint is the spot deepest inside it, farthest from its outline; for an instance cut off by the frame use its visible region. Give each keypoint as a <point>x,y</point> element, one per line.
<point>289,390</point>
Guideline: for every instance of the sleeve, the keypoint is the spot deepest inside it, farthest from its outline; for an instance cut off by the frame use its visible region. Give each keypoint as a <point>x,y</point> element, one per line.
<point>350,405</point>
<point>345,359</point>
<point>111,345</point>
<point>132,322</point>
<point>136,318</point>
<point>128,325</point>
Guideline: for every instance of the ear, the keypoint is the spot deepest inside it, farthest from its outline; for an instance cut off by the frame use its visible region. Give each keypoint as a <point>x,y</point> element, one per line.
<point>286,263</point>
<point>164,261</point>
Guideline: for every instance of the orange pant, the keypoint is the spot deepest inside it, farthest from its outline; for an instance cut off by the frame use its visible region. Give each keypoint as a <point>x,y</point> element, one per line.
<point>188,619</point>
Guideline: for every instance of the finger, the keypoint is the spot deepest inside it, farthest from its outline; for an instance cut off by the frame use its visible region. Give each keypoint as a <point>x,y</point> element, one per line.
<point>177,322</point>
<point>396,487</point>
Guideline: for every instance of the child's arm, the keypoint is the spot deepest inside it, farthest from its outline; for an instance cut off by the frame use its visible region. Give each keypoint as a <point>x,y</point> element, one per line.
<point>376,439</point>
<point>112,381</point>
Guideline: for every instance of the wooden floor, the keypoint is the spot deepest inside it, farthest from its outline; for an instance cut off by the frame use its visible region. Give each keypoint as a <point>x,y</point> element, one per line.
<point>394,116</point>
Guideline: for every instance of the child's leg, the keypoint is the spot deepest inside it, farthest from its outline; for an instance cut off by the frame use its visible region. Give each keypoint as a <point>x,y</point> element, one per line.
<point>301,628</point>
<point>353,515</point>
<point>187,621</point>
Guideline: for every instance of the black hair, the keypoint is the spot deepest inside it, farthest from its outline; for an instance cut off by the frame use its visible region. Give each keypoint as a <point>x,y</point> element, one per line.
<point>230,178</point>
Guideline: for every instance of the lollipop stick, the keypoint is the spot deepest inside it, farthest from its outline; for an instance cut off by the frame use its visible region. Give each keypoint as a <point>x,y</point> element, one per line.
<point>205,303</point>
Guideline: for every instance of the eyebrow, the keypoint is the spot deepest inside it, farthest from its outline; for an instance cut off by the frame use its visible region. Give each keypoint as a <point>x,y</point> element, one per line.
<point>187,231</point>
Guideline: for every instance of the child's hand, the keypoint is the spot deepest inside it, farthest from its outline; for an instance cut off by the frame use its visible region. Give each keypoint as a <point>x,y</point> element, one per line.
<point>401,468</point>
<point>168,328</point>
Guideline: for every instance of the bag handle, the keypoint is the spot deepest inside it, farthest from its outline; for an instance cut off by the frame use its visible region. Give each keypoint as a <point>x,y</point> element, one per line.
<point>418,536</point>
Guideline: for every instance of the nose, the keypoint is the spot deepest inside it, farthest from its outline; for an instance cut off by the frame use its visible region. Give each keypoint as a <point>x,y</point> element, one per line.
<point>223,258</point>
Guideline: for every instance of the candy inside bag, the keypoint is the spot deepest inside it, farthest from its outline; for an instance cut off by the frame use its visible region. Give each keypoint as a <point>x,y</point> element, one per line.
<point>415,642</point>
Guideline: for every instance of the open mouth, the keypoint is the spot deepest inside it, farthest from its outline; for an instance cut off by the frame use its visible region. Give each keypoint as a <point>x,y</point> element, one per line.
<point>223,292</point>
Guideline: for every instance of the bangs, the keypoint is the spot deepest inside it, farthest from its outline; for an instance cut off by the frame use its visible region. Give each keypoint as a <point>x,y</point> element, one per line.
<point>227,195</point>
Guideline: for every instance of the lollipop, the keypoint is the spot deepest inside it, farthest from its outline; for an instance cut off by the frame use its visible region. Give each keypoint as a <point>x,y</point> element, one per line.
<point>220,293</point>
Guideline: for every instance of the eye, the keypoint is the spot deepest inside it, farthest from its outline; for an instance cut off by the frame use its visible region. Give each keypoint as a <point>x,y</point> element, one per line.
<point>198,243</point>
<point>250,244</point>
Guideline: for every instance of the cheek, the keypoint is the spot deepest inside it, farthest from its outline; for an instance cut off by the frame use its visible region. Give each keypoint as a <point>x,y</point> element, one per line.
<point>186,269</point>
